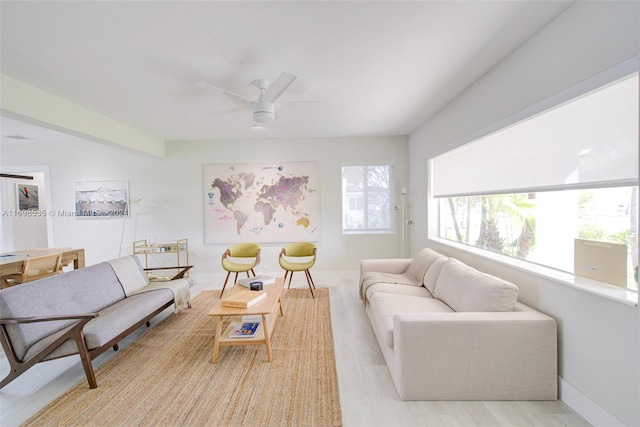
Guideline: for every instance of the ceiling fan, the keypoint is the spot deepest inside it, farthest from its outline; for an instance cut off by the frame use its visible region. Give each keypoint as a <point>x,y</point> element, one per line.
<point>263,109</point>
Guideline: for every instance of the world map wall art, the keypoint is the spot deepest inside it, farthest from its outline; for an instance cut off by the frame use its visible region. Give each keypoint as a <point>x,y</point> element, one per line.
<point>262,203</point>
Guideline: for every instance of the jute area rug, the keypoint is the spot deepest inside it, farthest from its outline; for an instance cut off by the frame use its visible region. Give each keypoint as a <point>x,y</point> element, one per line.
<point>166,377</point>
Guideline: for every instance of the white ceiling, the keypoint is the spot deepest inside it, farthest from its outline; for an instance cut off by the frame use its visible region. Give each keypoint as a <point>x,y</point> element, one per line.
<point>382,67</point>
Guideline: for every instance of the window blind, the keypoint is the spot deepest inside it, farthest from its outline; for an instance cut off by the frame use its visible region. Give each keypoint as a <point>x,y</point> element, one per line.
<point>590,141</point>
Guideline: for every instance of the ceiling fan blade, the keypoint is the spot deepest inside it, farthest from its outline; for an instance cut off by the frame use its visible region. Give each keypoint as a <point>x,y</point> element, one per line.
<point>210,87</point>
<point>278,87</point>
<point>232,110</point>
<point>304,102</point>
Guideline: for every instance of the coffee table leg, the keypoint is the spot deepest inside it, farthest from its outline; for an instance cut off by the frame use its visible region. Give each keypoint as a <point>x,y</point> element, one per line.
<point>267,338</point>
<point>216,346</point>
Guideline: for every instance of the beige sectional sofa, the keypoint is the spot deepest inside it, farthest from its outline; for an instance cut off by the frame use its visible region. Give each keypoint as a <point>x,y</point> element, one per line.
<point>450,332</point>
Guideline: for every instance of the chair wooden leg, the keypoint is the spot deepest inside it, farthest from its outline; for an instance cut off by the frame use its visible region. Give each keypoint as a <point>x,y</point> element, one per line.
<point>309,282</point>
<point>310,278</point>
<point>290,277</point>
<point>225,283</point>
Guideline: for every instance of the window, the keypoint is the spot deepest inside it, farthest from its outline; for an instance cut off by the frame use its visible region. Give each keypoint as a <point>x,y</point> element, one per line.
<point>542,227</point>
<point>366,198</point>
<point>530,190</point>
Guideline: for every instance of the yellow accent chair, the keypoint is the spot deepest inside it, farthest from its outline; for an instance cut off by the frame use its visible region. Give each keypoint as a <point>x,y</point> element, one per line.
<point>240,258</point>
<point>298,257</point>
<point>35,268</point>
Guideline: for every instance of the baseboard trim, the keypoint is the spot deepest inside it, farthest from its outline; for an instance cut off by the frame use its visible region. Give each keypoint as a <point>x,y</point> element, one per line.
<point>585,407</point>
<point>215,280</point>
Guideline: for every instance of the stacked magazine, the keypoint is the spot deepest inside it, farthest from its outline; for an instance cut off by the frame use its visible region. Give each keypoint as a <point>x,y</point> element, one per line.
<point>244,330</point>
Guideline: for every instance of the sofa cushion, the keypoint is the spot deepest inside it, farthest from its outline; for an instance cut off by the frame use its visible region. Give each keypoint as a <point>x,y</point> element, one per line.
<point>111,322</point>
<point>432,274</point>
<point>373,278</point>
<point>116,318</point>
<point>396,288</point>
<point>466,289</point>
<point>419,265</point>
<point>386,306</point>
<point>130,273</point>
<point>83,291</point>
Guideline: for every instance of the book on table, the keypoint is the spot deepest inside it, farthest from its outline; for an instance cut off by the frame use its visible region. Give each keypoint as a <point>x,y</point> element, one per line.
<point>243,299</point>
<point>266,280</point>
<point>244,330</point>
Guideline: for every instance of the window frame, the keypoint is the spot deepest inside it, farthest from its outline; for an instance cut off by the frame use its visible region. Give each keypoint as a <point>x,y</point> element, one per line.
<point>346,199</point>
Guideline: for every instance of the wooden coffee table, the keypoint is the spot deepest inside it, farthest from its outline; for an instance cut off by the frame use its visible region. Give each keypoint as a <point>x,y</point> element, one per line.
<point>266,308</point>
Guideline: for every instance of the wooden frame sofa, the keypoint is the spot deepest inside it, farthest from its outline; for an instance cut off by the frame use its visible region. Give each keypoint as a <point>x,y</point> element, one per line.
<point>84,312</point>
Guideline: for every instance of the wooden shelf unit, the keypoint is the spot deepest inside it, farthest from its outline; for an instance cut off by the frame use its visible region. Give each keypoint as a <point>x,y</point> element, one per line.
<point>180,248</point>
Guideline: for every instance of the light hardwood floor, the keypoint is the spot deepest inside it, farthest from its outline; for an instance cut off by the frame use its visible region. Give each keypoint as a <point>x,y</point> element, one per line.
<point>367,394</point>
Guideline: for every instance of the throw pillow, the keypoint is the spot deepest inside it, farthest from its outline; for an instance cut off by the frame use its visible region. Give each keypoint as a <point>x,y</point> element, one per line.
<point>421,263</point>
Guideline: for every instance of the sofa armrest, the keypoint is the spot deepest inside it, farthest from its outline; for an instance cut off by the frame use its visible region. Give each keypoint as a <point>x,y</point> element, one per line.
<point>476,356</point>
<point>74,332</point>
<point>390,265</point>
<point>74,328</point>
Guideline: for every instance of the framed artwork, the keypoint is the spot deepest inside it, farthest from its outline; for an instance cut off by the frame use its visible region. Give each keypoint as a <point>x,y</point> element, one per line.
<point>27,197</point>
<point>262,202</point>
<point>101,199</point>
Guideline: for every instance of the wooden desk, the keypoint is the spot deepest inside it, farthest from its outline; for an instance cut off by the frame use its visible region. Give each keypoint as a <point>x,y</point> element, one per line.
<point>14,265</point>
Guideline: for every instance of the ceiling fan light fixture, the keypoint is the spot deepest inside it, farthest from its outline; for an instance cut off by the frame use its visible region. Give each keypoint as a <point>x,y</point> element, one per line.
<point>263,109</point>
<point>263,112</point>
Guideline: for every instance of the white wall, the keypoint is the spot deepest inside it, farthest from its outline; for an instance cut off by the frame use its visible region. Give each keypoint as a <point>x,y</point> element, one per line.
<point>176,184</point>
<point>599,339</point>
